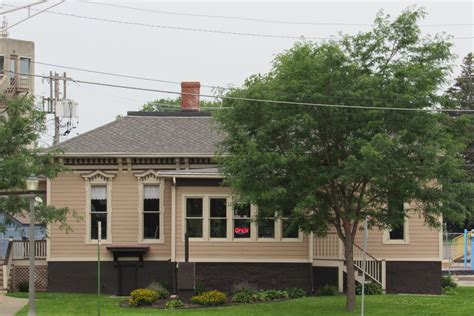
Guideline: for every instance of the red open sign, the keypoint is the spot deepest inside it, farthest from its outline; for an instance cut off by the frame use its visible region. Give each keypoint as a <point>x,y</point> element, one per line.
<point>241,230</point>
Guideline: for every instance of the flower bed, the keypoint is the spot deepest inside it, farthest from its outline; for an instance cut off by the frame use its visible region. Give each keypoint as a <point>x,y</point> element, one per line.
<point>152,299</point>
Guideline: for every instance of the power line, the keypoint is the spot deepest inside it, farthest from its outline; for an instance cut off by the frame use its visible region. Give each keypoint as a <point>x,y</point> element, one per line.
<point>202,85</point>
<point>224,16</point>
<point>37,13</point>
<point>181,28</point>
<point>110,85</point>
<point>252,19</point>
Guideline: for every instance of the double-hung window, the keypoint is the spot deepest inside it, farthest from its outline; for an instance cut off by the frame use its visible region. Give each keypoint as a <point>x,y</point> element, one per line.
<point>218,217</point>
<point>266,228</point>
<point>242,225</point>
<point>98,211</point>
<point>151,212</point>
<point>24,66</point>
<point>194,217</point>
<point>288,228</point>
<point>398,231</point>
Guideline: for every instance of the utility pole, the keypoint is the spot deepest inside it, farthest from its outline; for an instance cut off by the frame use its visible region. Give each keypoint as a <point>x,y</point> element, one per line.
<point>53,100</point>
<point>56,117</point>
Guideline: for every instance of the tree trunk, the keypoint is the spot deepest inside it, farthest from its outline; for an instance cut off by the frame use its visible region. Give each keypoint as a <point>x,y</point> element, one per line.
<point>349,259</point>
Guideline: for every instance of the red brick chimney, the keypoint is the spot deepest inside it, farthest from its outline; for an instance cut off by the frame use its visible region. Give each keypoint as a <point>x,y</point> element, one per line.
<point>190,95</point>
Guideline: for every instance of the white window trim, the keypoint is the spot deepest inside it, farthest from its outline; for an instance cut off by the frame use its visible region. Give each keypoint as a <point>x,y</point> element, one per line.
<point>253,224</point>
<point>205,215</point>
<point>150,177</point>
<point>98,178</point>
<point>228,214</point>
<point>291,239</point>
<point>230,223</point>
<point>406,236</point>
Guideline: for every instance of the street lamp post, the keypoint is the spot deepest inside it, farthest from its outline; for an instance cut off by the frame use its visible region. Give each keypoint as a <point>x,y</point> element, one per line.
<point>32,185</point>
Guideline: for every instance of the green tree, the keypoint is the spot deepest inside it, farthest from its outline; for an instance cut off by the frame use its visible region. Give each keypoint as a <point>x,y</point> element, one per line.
<point>166,105</point>
<point>20,127</point>
<point>333,167</point>
<point>462,90</point>
<point>461,95</point>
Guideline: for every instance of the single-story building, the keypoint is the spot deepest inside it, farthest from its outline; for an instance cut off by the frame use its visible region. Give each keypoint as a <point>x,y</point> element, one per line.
<point>150,179</point>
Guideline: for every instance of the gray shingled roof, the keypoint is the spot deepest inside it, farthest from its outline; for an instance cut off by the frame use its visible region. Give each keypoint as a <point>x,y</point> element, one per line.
<point>145,133</point>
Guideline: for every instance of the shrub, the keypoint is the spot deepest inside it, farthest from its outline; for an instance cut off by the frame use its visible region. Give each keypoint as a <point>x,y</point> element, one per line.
<point>23,286</point>
<point>213,297</point>
<point>177,303</point>
<point>328,290</point>
<point>160,288</point>
<point>243,297</point>
<point>369,288</point>
<point>448,282</point>
<point>260,296</point>
<point>243,286</point>
<point>295,292</point>
<point>142,297</point>
<point>276,295</point>
<point>269,295</point>
<point>199,288</point>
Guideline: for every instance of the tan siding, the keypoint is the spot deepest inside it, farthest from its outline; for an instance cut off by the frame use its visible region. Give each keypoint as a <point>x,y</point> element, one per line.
<point>68,190</point>
<point>232,250</point>
<point>423,242</point>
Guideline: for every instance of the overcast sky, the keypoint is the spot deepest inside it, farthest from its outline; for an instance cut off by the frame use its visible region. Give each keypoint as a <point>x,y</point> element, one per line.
<point>179,55</point>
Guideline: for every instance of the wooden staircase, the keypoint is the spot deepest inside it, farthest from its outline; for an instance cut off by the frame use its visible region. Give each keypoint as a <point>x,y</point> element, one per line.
<point>5,269</point>
<point>329,251</point>
<point>1,276</point>
<point>374,268</point>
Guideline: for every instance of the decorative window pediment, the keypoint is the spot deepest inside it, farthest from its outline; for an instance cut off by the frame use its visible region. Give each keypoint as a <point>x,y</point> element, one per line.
<point>149,176</point>
<point>99,176</point>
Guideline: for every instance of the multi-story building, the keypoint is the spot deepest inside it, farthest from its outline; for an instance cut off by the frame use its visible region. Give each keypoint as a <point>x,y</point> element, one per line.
<point>16,68</point>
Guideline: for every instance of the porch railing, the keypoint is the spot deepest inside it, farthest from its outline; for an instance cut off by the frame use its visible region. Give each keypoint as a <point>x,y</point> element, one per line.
<point>21,249</point>
<point>328,247</point>
<point>373,266</point>
<point>331,247</point>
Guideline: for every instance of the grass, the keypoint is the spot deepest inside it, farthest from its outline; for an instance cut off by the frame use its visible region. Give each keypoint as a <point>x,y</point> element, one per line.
<point>86,304</point>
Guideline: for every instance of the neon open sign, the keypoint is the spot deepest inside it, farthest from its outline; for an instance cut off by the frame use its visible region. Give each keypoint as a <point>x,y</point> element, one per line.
<point>241,230</point>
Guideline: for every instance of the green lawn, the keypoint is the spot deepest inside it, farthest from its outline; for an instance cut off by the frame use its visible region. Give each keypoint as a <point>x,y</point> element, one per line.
<point>83,304</point>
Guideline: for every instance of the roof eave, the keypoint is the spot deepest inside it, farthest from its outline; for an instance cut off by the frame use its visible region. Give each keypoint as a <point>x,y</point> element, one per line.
<point>133,155</point>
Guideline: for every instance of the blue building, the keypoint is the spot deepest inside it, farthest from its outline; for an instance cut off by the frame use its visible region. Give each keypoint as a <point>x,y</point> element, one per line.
<point>17,228</point>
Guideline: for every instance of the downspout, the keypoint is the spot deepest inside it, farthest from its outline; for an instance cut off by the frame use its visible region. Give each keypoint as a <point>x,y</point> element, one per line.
<point>173,220</point>
<point>311,258</point>
<point>173,232</point>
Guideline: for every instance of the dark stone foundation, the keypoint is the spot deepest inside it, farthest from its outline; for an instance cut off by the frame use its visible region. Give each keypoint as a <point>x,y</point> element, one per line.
<point>223,276</point>
<point>81,277</point>
<point>417,277</point>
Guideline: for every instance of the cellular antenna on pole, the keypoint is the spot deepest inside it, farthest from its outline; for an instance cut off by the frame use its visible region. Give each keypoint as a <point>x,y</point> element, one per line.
<point>5,27</point>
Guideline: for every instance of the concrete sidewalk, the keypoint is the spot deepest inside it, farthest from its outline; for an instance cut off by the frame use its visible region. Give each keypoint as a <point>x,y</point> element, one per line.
<point>10,305</point>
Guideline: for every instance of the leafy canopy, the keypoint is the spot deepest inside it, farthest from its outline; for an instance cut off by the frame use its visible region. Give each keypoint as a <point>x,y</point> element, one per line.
<point>20,127</point>
<point>333,166</point>
<point>170,104</point>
